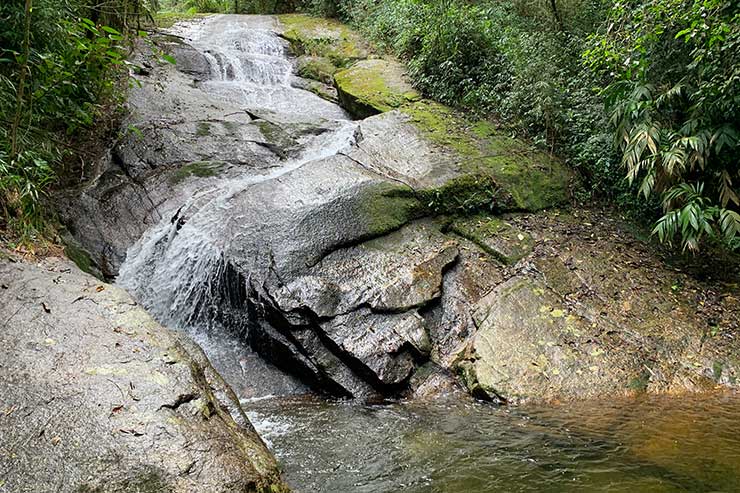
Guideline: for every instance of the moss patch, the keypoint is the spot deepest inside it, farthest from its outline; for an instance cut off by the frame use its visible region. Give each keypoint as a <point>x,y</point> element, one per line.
<point>203,129</point>
<point>323,91</point>
<point>80,257</point>
<point>275,135</point>
<point>201,169</point>
<point>386,207</point>
<point>531,179</point>
<point>466,194</point>
<point>326,38</point>
<point>370,87</point>
<point>316,68</point>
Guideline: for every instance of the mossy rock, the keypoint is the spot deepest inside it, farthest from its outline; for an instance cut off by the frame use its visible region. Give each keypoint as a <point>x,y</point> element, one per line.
<point>386,207</point>
<point>320,37</point>
<point>320,69</point>
<point>80,257</point>
<point>322,90</point>
<point>515,175</point>
<point>374,86</point>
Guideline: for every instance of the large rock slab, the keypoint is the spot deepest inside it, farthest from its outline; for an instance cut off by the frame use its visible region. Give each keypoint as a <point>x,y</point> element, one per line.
<point>460,165</point>
<point>97,396</point>
<point>363,302</point>
<point>590,314</point>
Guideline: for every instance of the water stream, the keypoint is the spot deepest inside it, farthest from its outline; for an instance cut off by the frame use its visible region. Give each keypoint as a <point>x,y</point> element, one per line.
<point>653,444</point>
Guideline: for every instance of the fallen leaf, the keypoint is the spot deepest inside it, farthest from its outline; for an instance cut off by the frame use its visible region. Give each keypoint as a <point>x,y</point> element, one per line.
<point>99,288</point>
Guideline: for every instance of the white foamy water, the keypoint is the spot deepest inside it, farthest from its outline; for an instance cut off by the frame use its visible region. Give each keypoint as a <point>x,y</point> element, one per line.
<point>249,66</point>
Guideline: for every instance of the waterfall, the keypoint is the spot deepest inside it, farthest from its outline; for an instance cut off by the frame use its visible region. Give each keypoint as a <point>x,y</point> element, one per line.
<point>179,268</point>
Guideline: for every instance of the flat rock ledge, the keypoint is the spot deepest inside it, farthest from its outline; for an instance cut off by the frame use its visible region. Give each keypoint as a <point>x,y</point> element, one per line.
<point>98,397</point>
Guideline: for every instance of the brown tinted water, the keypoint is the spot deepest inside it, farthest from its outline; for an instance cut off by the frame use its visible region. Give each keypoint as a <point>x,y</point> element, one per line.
<point>649,444</point>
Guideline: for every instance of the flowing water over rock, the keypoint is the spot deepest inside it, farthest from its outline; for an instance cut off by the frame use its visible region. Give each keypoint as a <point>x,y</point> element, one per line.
<point>176,267</point>
<point>306,231</point>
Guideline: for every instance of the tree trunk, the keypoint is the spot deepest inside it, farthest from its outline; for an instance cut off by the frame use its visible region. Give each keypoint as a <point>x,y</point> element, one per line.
<point>556,13</point>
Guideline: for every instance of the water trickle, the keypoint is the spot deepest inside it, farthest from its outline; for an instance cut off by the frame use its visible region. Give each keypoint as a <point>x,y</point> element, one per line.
<point>250,66</point>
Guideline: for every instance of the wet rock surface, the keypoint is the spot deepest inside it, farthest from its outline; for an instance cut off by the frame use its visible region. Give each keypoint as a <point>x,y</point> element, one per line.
<point>345,252</point>
<point>97,396</point>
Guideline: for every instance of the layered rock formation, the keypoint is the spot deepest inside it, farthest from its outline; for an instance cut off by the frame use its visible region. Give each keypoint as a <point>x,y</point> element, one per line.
<point>377,253</point>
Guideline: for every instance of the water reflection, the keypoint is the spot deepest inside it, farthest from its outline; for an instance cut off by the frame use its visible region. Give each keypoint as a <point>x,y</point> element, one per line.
<point>654,444</point>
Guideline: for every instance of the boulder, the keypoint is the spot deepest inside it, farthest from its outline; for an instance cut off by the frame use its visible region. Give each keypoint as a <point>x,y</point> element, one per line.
<point>327,38</point>
<point>374,86</point>
<point>97,396</point>
<point>460,165</point>
<point>593,314</point>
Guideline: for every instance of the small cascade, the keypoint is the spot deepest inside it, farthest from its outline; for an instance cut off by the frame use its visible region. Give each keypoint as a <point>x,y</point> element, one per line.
<point>173,268</point>
<point>249,65</point>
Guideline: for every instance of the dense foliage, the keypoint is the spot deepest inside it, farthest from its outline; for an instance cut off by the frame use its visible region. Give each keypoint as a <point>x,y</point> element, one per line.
<point>639,95</point>
<point>59,63</point>
<point>674,102</point>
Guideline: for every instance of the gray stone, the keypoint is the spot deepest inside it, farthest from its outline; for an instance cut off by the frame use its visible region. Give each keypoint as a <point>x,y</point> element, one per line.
<point>97,396</point>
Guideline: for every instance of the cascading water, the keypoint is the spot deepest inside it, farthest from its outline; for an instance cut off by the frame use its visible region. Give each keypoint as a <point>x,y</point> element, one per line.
<point>249,66</point>
<point>177,268</point>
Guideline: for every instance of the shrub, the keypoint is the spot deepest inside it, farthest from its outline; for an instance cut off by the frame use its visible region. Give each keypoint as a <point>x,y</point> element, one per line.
<point>56,68</point>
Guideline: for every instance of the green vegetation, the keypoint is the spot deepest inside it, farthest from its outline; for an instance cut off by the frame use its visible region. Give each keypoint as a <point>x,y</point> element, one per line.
<point>60,68</point>
<point>639,96</point>
<point>674,97</point>
<point>202,169</point>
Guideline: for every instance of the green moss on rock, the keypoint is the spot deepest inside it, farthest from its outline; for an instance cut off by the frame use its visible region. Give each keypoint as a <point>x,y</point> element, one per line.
<point>465,194</point>
<point>320,37</point>
<point>386,207</point>
<point>316,68</point>
<point>201,169</point>
<point>80,257</point>
<point>203,129</point>
<point>520,177</point>
<point>375,86</point>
